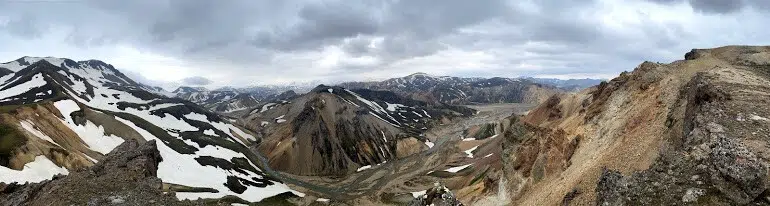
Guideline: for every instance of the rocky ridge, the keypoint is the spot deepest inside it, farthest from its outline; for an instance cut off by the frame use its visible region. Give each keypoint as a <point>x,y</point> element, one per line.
<point>691,132</point>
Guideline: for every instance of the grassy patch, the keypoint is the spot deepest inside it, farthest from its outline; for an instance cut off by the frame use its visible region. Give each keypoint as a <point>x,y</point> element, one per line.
<point>10,139</point>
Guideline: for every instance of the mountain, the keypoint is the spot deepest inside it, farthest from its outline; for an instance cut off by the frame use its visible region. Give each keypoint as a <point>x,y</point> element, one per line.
<point>333,131</point>
<point>457,90</point>
<point>185,89</point>
<point>61,116</point>
<point>691,132</point>
<point>567,84</point>
<point>230,100</point>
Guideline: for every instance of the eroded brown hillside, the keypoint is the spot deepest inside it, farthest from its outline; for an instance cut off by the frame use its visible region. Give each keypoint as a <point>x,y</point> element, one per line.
<point>692,131</point>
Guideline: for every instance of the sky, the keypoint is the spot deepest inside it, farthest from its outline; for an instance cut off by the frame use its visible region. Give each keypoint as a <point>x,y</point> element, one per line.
<point>260,42</point>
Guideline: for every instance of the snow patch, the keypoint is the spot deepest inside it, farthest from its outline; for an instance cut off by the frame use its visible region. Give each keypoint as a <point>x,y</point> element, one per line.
<point>393,107</point>
<point>426,114</point>
<point>280,119</point>
<point>364,168</point>
<point>383,136</point>
<point>470,151</point>
<point>418,193</point>
<point>185,170</point>
<point>36,171</point>
<point>210,132</point>
<point>429,144</point>
<point>266,107</point>
<point>457,169</point>
<point>29,126</point>
<point>369,166</point>
<point>90,133</point>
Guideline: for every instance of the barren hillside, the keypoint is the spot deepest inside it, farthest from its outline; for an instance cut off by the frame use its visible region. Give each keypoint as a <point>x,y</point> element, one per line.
<point>690,132</point>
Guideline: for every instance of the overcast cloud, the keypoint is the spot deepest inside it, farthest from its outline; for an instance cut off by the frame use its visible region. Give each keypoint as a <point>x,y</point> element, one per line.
<point>245,42</point>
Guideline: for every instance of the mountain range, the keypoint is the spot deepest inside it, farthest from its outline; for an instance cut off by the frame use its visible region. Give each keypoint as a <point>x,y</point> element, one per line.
<point>459,91</point>
<point>418,86</point>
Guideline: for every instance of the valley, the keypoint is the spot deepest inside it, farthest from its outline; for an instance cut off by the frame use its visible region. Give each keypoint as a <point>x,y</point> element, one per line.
<point>396,180</point>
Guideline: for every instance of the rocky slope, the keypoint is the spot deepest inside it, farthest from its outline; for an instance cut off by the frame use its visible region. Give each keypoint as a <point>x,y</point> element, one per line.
<point>130,171</point>
<point>691,132</point>
<point>61,116</point>
<point>457,90</point>
<point>334,131</point>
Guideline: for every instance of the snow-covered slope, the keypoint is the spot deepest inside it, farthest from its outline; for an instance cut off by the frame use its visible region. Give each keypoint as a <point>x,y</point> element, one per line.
<point>87,108</point>
<point>230,101</point>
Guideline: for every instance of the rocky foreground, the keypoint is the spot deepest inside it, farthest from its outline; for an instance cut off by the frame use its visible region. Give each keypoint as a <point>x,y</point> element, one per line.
<point>126,176</point>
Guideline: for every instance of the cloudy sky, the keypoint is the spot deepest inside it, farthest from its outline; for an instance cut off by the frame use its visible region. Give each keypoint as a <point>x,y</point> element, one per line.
<point>255,42</point>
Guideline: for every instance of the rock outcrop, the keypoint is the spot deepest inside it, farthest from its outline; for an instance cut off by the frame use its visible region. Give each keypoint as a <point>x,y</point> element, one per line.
<point>126,176</point>
<point>720,157</point>
<point>436,196</point>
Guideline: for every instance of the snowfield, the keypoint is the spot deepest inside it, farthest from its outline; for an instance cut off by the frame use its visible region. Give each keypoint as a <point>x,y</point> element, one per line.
<point>35,171</point>
<point>91,134</point>
<point>185,170</point>
<point>37,81</point>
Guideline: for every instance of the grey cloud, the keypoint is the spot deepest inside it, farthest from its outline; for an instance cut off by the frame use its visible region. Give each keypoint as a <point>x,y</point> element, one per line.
<point>264,38</point>
<point>196,81</point>
<point>320,24</point>
<point>720,6</point>
<point>717,6</point>
<point>25,26</point>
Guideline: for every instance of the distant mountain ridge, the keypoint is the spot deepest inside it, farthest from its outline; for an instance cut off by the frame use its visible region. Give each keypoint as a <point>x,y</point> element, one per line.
<point>420,86</point>
<point>567,84</point>
<point>462,90</point>
<point>228,100</point>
